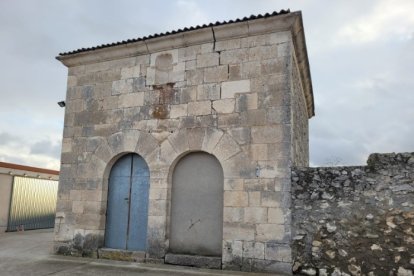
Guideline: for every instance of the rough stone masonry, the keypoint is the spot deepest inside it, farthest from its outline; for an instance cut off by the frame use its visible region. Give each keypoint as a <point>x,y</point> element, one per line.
<point>239,90</point>
<point>355,220</point>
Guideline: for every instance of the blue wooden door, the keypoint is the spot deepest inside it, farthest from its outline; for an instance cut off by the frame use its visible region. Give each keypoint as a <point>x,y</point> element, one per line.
<point>127,211</point>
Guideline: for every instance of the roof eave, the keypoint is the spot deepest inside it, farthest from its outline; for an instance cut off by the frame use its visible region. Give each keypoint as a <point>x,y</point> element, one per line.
<point>181,39</point>
<point>299,41</point>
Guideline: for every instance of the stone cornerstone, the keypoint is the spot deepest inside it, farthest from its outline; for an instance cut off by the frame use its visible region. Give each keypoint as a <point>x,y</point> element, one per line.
<point>239,91</point>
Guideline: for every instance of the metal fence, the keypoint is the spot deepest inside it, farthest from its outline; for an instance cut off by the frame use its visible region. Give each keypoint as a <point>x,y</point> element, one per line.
<point>33,204</point>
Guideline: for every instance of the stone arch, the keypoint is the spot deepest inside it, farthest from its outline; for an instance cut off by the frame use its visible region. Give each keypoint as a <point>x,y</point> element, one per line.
<point>233,160</point>
<point>196,217</point>
<point>120,143</point>
<point>220,144</point>
<point>110,149</point>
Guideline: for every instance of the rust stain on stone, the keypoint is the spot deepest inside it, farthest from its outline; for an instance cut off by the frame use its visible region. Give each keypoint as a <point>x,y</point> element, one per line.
<point>160,112</point>
<point>166,96</point>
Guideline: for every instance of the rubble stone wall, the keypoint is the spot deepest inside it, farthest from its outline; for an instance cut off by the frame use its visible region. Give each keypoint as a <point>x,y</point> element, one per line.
<point>355,220</point>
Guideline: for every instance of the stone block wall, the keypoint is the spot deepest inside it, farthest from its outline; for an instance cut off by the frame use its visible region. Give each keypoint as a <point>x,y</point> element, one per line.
<point>355,220</point>
<point>300,127</point>
<point>232,93</point>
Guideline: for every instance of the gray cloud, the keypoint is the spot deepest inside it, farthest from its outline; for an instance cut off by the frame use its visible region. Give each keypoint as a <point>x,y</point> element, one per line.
<point>7,138</point>
<point>14,159</point>
<point>46,147</point>
<point>363,87</point>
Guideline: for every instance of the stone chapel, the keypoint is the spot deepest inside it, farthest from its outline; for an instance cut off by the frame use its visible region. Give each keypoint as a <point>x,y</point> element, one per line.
<point>177,147</point>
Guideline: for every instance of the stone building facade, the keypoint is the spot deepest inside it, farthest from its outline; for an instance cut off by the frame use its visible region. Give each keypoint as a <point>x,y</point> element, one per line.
<point>209,120</point>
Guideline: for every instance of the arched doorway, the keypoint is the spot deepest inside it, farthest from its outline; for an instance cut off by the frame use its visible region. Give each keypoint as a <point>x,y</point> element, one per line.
<point>197,206</point>
<point>127,211</point>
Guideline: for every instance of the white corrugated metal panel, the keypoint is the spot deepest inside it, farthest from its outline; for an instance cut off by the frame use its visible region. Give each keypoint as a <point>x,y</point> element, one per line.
<point>33,203</point>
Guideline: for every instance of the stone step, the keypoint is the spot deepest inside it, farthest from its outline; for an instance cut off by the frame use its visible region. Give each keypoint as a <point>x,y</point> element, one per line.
<point>192,260</point>
<point>121,255</point>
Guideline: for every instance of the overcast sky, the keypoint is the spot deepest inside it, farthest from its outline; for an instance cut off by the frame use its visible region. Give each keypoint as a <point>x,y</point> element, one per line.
<point>361,54</point>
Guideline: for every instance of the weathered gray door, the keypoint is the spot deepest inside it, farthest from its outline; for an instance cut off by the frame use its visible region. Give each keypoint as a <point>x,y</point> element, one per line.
<point>127,211</point>
<point>197,206</point>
